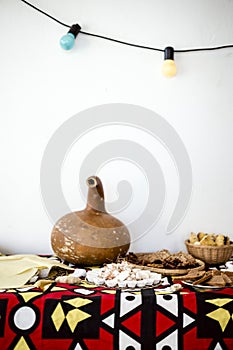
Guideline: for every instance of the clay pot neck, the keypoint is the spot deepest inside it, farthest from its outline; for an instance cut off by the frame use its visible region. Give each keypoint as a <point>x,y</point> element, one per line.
<point>95,197</point>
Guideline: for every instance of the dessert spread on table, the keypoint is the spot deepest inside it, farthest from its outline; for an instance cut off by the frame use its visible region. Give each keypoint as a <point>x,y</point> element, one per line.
<point>93,237</point>
<point>123,275</point>
<point>134,270</point>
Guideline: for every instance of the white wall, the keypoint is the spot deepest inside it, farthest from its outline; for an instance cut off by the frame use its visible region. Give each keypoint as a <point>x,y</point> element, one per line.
<point>42,86</point>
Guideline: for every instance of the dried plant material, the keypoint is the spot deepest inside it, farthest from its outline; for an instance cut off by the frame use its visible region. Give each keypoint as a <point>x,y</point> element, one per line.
<point>150,258</point>
<point>68,279</point>
<point>180,260</point>
<point>57,271</point>
<point>163,259</point>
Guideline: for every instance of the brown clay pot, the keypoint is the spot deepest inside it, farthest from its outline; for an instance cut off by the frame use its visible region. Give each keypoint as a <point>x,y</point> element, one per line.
<point>90,236</point>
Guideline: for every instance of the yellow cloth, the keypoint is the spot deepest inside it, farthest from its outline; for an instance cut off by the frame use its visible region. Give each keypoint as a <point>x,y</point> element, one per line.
<point>16,270</point>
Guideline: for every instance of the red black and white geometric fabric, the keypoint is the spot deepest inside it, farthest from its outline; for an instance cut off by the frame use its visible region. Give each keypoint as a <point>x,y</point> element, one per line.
<point>89,318</point>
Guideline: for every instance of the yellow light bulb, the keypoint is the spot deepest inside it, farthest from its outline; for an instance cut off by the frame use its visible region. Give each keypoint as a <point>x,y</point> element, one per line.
<point>169,66</point>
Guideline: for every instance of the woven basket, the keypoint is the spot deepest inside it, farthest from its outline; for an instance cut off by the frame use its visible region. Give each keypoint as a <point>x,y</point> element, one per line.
<point>210,254</point>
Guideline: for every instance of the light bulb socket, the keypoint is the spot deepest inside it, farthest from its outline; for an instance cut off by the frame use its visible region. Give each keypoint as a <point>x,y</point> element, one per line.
<point>169,53</point>
<point>75,29</point>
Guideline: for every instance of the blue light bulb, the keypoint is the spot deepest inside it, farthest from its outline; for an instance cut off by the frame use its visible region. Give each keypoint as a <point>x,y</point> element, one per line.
<point>67,41</point>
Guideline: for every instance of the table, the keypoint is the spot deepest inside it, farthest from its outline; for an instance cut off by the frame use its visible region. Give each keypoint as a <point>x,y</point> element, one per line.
<point>87,317</point>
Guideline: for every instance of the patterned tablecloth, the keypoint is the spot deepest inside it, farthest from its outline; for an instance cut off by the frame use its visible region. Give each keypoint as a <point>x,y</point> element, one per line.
<point>86,317</point>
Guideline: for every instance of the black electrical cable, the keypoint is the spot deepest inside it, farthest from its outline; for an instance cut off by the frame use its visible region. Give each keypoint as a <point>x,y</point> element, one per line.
<point>205,48</point>
<point>46,14</point>
<point>124,42</point>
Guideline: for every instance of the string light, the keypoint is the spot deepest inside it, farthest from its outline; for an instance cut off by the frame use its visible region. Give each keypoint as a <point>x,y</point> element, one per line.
<point>168,68</point>
<point>68,40</point>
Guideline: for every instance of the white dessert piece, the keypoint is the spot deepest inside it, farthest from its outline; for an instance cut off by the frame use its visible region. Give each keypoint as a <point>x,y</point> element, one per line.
<point>131,284</point>
<point>123,275</point>
<point>149,281</point>
<point>142,274</point>
<point>91,275</point>
<point>156,277</point>
<point>79,273</point>
<point>122,284</point>
<point>98,281</point>
<point>141,283</point>
<point>111,283</point>
<point>136,270</point>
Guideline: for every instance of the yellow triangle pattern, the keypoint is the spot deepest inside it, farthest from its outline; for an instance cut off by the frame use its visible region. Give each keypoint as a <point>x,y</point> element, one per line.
<point>222,316</point>
<point>219,302</point>
<point>21,345</point>
<point>29,295</point>
<point>77,302</point>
